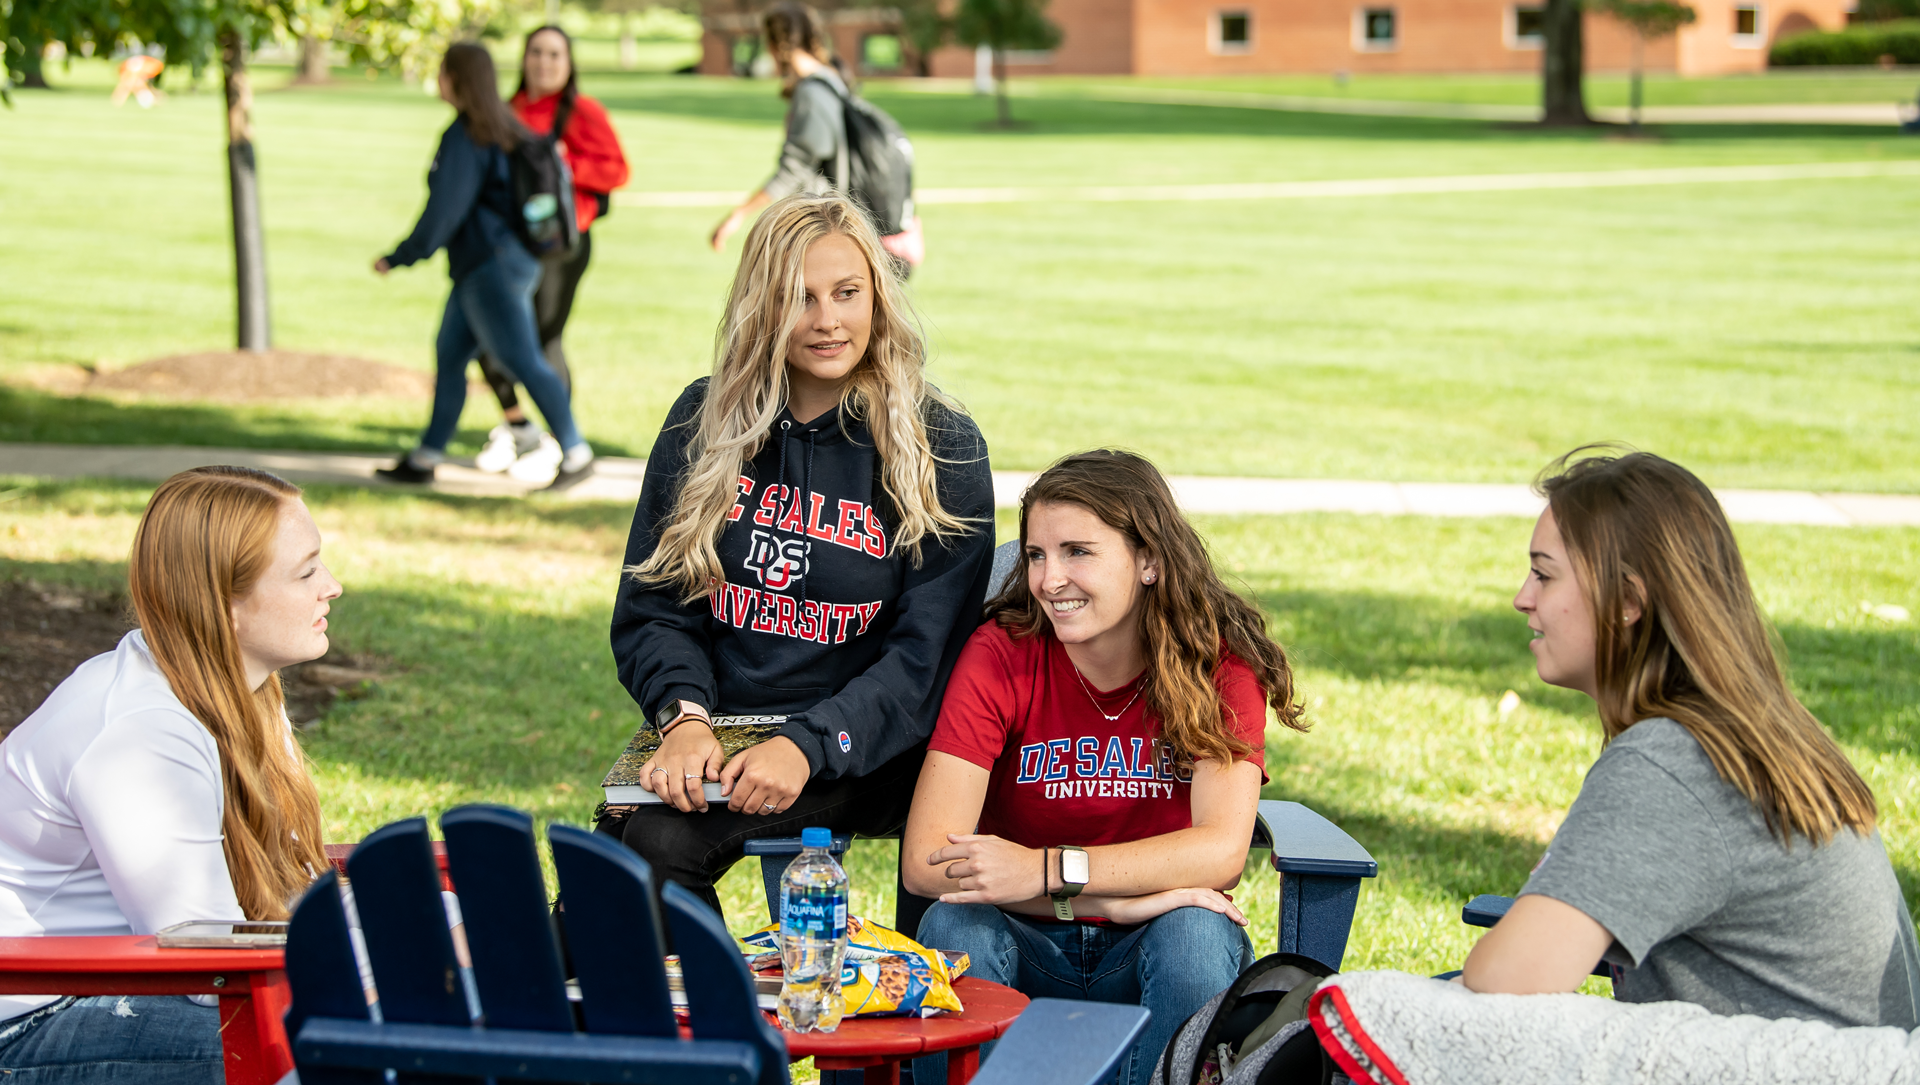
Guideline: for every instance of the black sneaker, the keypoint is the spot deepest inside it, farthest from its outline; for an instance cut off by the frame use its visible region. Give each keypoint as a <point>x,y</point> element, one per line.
<point>567,480</point>
<point>405,472</point>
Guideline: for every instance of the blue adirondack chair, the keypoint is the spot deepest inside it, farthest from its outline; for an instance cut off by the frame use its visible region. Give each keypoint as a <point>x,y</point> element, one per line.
<point>515,1020</point>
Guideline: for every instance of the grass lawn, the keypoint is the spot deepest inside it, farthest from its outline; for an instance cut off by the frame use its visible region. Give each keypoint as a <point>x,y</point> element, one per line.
<point>1762,333</point>
<point>492,618</point>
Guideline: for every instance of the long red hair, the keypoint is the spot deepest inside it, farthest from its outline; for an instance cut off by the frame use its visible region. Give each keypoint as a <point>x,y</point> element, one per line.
<point>204,540</point>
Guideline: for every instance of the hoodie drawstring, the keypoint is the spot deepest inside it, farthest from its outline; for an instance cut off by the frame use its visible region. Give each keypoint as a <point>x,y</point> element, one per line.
<point>806,492</point>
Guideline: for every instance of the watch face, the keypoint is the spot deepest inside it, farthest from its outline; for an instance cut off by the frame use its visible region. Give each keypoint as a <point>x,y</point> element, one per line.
<point>1073,866</point>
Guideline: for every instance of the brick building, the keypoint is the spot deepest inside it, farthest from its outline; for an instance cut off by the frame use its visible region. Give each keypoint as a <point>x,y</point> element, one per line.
<point>1237,37</point>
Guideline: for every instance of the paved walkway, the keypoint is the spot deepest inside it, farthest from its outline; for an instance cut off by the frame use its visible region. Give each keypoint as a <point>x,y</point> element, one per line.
<point>1352,186</point>
<point>618,479</point>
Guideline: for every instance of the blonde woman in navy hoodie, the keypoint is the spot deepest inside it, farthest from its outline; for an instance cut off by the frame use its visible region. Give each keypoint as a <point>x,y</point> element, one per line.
<point>813,540</point>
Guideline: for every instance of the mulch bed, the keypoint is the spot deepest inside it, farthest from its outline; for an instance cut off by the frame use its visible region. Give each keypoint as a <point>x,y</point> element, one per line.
<point>46,631</point>
<point>235,376</point>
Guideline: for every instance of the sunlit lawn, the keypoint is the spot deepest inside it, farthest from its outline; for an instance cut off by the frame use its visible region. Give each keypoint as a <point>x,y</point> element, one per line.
<point>490,617</point>
<point>1762,333</point>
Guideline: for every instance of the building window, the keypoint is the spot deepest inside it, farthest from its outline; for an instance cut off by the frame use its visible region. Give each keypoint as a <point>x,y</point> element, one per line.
<point>1746,26</point>
<point>1526,27</point>
<point>880,52</point>
<point>1232,32</point>
<point>1375,30</point>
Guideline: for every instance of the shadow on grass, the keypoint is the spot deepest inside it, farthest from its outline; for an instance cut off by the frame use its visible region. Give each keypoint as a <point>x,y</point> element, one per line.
<point>30,415</point>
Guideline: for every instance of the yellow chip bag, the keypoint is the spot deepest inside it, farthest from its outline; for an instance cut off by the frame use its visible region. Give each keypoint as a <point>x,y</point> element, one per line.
<point>885,973</point>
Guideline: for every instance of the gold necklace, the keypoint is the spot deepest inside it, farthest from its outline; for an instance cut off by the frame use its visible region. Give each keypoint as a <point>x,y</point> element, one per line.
<point>1115,718</point>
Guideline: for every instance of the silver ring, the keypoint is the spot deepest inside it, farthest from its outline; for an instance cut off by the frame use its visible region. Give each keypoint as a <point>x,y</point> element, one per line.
<point>693,775</point>
<point>661,771</point>
<point>770,806</point>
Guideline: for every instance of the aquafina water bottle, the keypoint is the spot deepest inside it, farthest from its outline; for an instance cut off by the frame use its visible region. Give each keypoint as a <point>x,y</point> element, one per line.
<point>813,936</point>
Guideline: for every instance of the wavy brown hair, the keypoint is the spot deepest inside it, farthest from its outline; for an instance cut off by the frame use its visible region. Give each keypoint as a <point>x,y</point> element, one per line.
<point>888,389</point>
<point>1190,617</point>
<point>203,542</point>
<point>1644,531</point>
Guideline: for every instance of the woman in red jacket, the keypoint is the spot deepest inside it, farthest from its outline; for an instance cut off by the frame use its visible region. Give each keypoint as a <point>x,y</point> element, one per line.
<point>548,90</point>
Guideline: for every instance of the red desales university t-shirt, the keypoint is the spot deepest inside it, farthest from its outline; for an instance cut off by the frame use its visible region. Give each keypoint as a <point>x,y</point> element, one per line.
<point>1062,773</point>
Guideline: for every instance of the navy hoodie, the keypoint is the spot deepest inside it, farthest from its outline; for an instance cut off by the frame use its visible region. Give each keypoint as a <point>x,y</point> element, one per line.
<point>469,195</point>
<point>820,618</point>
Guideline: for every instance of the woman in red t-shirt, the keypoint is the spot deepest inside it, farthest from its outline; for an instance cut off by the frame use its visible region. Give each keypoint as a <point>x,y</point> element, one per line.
<point>1091,784</point>
<point>592,150</point>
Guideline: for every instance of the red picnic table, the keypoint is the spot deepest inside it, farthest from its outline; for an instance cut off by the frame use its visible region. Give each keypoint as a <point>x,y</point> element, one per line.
<point>879,1044</point>
<point>251,985</point>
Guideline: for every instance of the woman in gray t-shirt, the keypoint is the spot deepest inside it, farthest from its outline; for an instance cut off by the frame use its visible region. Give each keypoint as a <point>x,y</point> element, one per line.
<point>1722,850</point>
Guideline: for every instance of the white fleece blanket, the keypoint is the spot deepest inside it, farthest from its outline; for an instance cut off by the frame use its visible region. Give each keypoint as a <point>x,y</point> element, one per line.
<point>1390,1028</point>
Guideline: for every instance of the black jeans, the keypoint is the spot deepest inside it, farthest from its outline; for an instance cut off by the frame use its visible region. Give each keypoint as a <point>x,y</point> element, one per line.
<point>552,305</point>
<point>696,850</point>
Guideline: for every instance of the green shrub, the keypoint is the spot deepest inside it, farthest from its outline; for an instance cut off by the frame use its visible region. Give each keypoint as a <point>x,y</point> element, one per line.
<point>1861,44</point>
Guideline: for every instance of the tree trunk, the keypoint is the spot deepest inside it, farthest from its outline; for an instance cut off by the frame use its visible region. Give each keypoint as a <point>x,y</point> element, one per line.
<point>32,59</point>
<point>1563,65</point>
<point>1004,107</point>
<point>629,54</point>
<point>1633,106</point>
<point>313,61</point>
<point>249,243</point>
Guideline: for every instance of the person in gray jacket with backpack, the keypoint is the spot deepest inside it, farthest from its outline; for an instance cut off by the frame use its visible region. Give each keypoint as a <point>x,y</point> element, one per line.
<point>473,212</point>
<point>817,156</point>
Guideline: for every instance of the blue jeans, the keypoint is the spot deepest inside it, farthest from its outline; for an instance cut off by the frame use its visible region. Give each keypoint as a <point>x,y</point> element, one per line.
<point>113,1040</point>
<point>1171,965</point>
<point>492,308</point>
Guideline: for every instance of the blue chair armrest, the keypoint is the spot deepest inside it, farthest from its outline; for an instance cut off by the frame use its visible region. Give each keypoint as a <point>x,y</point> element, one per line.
<point>1485,910</point>
<point>555,1056</point>
<point>1320,870</point>
<point>1303,842</point>
<point>1064,1042</point>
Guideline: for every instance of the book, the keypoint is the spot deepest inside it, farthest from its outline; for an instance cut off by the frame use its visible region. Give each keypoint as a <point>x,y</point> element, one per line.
<point>736,733</point>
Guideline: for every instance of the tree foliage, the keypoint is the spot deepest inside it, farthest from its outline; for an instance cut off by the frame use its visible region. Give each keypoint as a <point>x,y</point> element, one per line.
<point>1001,25</point>
<point>1648,18</point>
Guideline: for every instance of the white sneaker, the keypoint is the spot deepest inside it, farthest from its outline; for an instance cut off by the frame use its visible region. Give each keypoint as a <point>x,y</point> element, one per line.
<point>575,468</point>
<point>500,452</point>
<point>541,464</point>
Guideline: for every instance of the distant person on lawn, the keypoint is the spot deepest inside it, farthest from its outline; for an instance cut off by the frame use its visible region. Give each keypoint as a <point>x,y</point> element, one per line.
<point>470,202</point>
<point>1722,850</point>
<point>812,541</point>
<point>816,82</point>
<point>548,94</point>
<point>162,782</point>
<point>1091,787</point>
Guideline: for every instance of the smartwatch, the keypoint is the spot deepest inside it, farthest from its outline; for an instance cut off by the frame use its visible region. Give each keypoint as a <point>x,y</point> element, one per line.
<point>669,713</point>
<point>1073,878</point>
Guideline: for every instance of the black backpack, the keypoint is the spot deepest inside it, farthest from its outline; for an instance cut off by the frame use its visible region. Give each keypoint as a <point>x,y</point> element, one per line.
<point>874,163</point>
<point>1253,1033</point>
<point>543,213</point>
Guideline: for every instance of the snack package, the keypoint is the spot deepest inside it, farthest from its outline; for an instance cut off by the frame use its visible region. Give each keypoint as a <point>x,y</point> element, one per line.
<point>885,974</point>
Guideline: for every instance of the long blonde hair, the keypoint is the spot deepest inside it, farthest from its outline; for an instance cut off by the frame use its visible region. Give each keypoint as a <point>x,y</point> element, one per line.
<point>1701,654</point>
<point>1189,618</point>
<point>204,541</point>
<point>888,389</point>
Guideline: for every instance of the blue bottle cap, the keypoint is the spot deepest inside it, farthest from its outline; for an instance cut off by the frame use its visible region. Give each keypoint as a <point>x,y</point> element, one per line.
<point>816,838</point>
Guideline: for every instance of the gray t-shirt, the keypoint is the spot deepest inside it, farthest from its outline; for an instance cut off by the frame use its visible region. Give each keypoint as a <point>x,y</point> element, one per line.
<point>1707,906</point>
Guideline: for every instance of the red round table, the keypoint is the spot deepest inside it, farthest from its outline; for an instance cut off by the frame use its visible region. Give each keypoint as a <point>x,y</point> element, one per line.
<point>878,1044</point>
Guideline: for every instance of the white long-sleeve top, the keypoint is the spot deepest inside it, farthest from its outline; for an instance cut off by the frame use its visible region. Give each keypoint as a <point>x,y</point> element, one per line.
<point>110,808</point>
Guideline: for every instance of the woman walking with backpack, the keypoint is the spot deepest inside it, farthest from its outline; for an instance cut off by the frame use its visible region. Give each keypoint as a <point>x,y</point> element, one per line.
<point>816,143</point>
<point>549,101</point>
<point>471,212</point>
